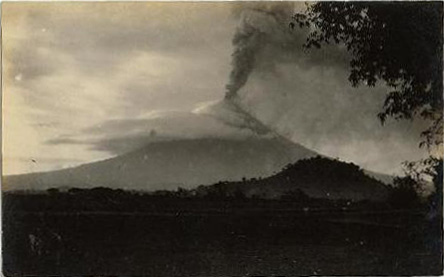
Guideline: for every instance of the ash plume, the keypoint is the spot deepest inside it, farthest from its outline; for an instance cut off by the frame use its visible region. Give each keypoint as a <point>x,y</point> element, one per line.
<point>260,25</point>
<point>248,41</point>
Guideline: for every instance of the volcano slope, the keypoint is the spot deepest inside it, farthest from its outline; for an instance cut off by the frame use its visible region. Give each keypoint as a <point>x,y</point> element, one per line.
<point>170,164</point>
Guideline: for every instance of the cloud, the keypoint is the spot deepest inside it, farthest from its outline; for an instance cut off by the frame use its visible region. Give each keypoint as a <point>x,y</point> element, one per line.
<point>118,136</point>
<point>63,74</point>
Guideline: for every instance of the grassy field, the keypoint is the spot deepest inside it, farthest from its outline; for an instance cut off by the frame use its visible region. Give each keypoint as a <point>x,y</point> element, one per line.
<point>218,244</point>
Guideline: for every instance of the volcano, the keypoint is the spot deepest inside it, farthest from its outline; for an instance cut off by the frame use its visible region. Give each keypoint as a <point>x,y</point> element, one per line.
<point>182,162</point>
<point>171,164</point>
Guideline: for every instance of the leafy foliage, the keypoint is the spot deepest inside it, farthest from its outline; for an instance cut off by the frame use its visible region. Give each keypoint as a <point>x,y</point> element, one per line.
<point>436,198</point>
<point>405,193</point>
<point>418,176</point>
<point>398,43</point>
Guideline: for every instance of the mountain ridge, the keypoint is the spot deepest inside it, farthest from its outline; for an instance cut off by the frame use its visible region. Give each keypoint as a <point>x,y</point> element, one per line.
<point>190,160</point>
<point>171,164</point>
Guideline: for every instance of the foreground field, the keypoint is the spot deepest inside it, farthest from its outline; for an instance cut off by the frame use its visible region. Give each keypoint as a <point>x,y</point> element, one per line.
<point>219,244</point>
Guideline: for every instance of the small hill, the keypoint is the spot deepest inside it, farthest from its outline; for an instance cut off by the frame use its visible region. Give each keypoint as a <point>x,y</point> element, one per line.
<point>316,177</point>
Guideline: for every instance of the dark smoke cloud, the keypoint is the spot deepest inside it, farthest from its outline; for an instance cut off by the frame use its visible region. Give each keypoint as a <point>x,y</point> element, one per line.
<point>247,43</point>
<point>264,39</point>
<point>259,25</point>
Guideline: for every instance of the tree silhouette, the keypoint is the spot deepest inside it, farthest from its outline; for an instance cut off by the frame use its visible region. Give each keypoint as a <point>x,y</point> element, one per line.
<point>404,194</point>
<point>398,43</point>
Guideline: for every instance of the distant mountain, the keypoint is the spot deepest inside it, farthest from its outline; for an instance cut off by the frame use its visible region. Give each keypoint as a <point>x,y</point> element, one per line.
<point>169,164</point>
<point>317,177</point>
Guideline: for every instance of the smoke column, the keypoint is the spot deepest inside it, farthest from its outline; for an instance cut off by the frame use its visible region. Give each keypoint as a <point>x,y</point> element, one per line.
<point>247,43</point>
<point>259,25</point>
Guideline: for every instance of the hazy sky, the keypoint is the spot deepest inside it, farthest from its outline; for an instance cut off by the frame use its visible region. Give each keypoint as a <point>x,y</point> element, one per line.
<point>85,81</point>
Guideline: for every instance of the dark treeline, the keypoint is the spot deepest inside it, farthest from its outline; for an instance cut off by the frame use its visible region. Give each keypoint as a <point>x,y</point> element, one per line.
<point>278,192</point>
<point>102,199</point>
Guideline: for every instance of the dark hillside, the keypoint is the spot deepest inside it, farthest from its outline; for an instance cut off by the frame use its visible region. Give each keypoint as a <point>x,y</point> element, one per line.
<point>316,177</point>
